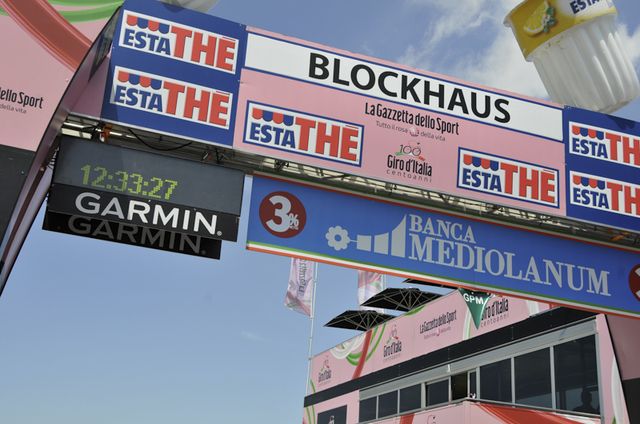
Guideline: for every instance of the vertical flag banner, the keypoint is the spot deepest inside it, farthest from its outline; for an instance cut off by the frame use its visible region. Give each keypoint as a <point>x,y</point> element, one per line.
<point>369,284</point>
<point>299,295</point>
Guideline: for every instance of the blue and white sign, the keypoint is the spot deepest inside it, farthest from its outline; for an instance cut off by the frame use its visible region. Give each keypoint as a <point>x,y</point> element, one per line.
<point>603,169</point>
<point>343,228</point>
<point>175,71</point>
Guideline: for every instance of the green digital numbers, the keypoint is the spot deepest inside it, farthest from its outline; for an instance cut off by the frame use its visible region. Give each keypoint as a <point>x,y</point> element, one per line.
<point>132,183</point>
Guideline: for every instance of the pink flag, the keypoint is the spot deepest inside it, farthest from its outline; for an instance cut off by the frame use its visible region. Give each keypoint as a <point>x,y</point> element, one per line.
<point>299,296</point>
<point>369,284</point>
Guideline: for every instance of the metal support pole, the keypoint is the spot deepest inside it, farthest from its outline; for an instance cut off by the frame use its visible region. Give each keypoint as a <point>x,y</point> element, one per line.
<point>312,318</point>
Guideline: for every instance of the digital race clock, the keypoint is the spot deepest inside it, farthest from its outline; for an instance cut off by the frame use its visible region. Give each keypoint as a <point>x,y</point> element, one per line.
<point>132,183</point>
<point>150,176</point>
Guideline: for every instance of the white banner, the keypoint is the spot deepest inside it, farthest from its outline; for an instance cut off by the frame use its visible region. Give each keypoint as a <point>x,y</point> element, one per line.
<point>385,82</point>
<point>299,295</point>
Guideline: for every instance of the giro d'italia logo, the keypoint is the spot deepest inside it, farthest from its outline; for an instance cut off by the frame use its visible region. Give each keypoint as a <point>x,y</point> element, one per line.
<point>282,214</point>
<point>634,281</point>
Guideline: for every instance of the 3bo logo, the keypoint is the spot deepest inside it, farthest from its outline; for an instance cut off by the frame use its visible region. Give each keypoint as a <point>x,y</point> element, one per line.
<point>282,214</point>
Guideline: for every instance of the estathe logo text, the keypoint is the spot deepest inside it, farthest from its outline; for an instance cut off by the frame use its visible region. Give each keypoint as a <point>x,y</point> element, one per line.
<point>305,134</point>
<point>180,42</point>
<point>165,96</point>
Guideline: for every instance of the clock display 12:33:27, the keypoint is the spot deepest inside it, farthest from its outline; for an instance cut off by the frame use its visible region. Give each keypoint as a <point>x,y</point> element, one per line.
<point>128,182</point>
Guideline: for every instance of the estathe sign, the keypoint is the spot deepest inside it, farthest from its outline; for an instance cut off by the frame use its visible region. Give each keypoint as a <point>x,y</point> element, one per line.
<point>411,241</point>
<point>175,71</point>
<point>603,169</point>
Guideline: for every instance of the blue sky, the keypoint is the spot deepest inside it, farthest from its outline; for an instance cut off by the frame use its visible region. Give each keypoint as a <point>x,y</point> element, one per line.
<point>101,333</point>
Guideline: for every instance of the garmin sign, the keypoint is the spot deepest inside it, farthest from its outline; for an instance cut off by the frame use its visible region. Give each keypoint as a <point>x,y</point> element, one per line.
<point>141,198</point>
<point>132,234</point>
<point>153,214</point>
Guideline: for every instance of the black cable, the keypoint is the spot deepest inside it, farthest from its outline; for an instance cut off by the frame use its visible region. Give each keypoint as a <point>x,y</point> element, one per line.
<point>156,148</point>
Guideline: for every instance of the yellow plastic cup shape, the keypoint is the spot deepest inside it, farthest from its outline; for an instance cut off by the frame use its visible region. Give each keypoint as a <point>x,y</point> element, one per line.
<point>577,51</point>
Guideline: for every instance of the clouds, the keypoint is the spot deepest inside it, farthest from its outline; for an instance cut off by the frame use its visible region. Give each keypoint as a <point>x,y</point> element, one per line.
<point>252,337</point>
<point>468,40</point>
<point>454,20</point>
<point>631,42</point>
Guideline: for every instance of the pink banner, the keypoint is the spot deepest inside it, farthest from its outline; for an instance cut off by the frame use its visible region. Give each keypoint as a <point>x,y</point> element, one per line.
<point>441,323</point>
<point>43,37</point>
<point>367,117</point>
<point>299,295</point>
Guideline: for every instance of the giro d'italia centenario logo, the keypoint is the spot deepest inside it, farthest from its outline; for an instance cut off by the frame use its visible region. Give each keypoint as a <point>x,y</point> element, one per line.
<point>282,214</point>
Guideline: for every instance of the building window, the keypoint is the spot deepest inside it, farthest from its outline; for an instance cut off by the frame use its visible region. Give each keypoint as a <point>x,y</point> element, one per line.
<point>388,404</point>
<point>533,378</point>
<point>368,409</point>
<point>495,381</point>
<point>576,376</point>
<point>459,388</point>
<point>473,385</point>
<point>411,398</point>
<point>437,392</point>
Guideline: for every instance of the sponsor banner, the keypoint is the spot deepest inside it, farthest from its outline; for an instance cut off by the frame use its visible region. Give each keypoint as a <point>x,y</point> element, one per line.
<point>504,177</point>
<point>476,302</point>
<point>428,328</point>
<point>175,71</point>
<point>132,234</point>
<point>407,240</point>
<point>149,213</point>
<point>299,60</point>
<point>41,35</point>
<point>361,116</point>
<point>603,169</point>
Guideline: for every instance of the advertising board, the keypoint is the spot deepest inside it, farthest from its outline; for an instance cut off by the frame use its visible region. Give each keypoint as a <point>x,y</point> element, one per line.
<point>97,204</point>
<point>202,78</point>
<point>603,169</point>
<point>436,325</point>
<point>138,188</point>
<point>132,234</point>
<point>403,239</point>
<point>302,102</point>
<point>175,71</point>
